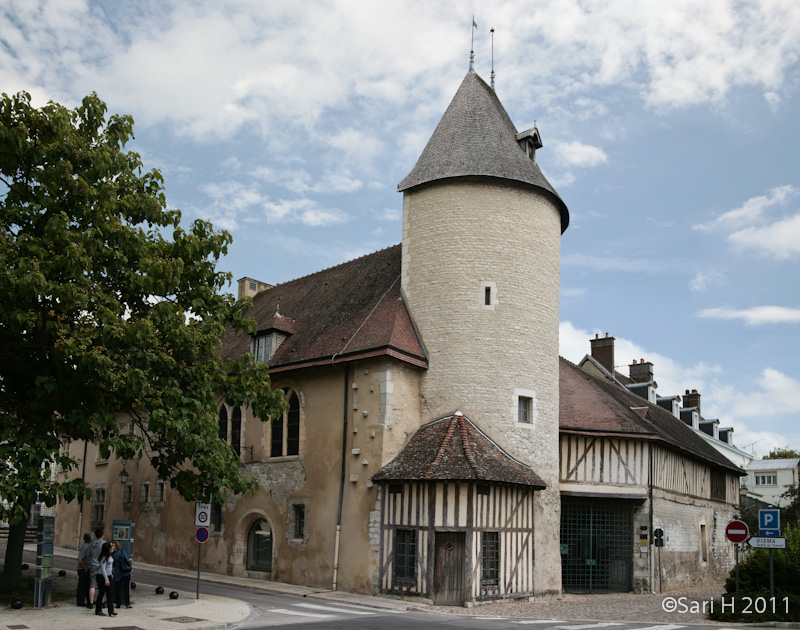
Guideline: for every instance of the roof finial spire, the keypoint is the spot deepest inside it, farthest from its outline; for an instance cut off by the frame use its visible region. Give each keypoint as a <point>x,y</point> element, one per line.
<point>472,45</point>
<point>492,75</point>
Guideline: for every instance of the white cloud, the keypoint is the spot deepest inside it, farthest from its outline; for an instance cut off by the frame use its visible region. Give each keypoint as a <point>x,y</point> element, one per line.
<point>703,280</point>
<point>756,316</point>
<point>579,154</point>
<point>389,214</point>
<point>305,211</point>
<point>573,292</point>
<point>750,212</point>
<point>781,240</point>
<point>300,181</point>
<point>777,393</point>
<point>773,100</point>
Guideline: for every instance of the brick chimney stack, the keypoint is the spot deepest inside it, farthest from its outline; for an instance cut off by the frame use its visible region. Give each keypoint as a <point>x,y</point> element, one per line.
<point>603,351</point>
<point>691,399</point>
<point>641,372</point>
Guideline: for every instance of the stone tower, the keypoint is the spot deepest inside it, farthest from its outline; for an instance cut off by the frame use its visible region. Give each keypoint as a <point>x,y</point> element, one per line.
<point>480,275</point>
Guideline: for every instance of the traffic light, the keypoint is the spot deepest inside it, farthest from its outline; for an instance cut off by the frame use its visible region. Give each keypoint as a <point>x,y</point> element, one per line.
<point>658,537</point>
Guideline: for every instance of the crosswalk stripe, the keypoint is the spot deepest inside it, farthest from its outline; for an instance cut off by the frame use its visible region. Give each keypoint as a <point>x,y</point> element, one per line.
<point>298,613</point>
<point>589,625</point>
<point>332,609</point>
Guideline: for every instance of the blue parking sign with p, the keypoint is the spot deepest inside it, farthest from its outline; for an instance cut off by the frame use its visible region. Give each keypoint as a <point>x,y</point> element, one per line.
<point>769,519</point>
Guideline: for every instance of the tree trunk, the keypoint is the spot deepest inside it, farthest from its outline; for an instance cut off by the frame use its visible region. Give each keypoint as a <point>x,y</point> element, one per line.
<point>12,572</point>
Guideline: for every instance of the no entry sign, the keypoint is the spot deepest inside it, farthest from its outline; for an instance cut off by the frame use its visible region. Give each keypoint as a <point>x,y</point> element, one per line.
<point>737,531</point>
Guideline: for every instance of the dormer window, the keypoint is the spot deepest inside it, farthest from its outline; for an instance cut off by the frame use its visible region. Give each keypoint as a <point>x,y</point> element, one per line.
<point>529,141</point>
<point>264,347</point>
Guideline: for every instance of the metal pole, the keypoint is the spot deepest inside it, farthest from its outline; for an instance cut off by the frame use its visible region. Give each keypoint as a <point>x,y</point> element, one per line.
<point>771,576</point>
<point>736,548</point>
<point>660,574</point>
<point>199,548</point>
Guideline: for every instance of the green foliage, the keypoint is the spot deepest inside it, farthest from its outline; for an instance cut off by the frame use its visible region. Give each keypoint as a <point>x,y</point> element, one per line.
<point>782,453</point>
<point>109,307</point>
<point>754,572</point>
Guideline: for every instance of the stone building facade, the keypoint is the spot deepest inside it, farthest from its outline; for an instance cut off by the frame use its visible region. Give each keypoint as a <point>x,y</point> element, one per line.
<point>449,339</point>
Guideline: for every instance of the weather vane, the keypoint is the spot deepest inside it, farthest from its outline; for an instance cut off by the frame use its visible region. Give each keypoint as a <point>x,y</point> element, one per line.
<point>472,45</point>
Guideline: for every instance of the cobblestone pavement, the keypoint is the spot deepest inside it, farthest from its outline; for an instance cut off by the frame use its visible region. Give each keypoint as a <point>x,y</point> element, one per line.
<point>625,607</point>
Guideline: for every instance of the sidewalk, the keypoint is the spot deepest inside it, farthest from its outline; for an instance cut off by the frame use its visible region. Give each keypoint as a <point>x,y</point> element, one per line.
<point>158,612</point>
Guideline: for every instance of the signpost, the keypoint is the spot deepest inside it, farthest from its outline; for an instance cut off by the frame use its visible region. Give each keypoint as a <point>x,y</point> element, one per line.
<point>737,532</point>
<point>769,528</point>
<point>202,517</point>
<point>658,541</point>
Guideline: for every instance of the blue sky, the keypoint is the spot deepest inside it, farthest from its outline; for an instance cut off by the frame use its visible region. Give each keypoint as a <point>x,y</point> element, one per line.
<point>670,130</point>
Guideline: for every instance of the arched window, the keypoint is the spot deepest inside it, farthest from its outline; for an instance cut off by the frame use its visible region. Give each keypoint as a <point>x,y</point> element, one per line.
<point>259,547</point>
<point>236,431</point>
<point>223,424</point>
<point>285,430</point>
<point>235,426</point>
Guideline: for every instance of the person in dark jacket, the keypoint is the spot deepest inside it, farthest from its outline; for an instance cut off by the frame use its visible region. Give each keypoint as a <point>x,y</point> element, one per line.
<point>84,558</point>
<point>122,575</point>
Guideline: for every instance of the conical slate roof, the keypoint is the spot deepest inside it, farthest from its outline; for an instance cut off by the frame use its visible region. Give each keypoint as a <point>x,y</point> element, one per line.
<point>476,137</point>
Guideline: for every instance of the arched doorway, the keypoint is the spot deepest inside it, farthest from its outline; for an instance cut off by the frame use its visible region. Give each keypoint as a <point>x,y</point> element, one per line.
<point>259,547</point>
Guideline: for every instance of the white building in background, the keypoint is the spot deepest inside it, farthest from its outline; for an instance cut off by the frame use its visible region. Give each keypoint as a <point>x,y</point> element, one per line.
<point>768,479</point>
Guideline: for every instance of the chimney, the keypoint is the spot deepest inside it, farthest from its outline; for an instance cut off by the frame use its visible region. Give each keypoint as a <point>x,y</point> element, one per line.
<point>249,287</point>
<point>641,372</point>
<point>692,399</point>
<point>603,351</point>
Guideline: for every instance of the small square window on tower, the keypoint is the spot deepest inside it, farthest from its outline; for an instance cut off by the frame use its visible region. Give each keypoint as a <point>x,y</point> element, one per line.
<point>525,410</point>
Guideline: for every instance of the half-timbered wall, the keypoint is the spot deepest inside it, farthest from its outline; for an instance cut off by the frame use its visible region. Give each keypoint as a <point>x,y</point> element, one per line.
<point>430,508</point>
<point>603,460</point>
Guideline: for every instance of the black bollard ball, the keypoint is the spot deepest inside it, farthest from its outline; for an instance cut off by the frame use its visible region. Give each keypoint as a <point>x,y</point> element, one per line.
<point>133,586</point>
<point>62,573</point>
<point>159,590</point>
<point>25,566</point>
<point>16,605</point>
<point>173,595</point>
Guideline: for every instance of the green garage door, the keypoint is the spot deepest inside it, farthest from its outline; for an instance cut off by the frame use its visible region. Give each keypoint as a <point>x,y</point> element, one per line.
<point>596,546</point>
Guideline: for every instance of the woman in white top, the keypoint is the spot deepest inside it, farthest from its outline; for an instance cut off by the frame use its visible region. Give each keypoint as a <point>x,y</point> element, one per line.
<point>104,581</point>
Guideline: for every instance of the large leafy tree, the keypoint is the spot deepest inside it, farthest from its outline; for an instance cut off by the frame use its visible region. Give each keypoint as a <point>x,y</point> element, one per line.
<point>782,453</point>
<point>107,307</point>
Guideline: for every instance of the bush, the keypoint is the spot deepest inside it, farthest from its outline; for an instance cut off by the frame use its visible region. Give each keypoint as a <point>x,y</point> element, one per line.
<point>754,585</point>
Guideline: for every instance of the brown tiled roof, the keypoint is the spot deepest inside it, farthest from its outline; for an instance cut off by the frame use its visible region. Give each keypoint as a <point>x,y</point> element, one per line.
<point>353,310</point>
<point>593,405</point>
<point>454,449</point>
<point>476,137</point>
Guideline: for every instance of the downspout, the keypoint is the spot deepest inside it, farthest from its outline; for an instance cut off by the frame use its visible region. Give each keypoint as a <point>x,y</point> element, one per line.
<point>83,499</point>
<point>651,549</point>
<point>341,481</point>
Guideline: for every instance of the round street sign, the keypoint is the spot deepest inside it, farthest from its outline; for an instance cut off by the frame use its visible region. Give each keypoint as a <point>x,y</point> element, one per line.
<point>737,531</point>
<point>201,535</point>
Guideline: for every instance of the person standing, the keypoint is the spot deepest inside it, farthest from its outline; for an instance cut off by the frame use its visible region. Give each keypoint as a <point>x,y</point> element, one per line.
<point>104,577</point>
<point>84,558</point>
<point>95,547</point>
<point>122,575</point>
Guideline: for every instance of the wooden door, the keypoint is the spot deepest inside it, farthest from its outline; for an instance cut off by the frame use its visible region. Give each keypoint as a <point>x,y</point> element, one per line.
<point>449,577</point>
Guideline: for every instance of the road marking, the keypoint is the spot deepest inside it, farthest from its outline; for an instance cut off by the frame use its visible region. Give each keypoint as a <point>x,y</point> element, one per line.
<point>590,625</point>
<point>331,608</point>
<point>297,613</point>
<point>662,627</point>
<point>532,621</point>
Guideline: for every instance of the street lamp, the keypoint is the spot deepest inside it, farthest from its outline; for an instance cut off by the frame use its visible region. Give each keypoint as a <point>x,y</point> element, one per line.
<point>123,474</point>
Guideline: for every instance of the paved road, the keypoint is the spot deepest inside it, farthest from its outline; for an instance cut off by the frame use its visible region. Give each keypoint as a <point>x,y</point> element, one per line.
<point>307,608</point>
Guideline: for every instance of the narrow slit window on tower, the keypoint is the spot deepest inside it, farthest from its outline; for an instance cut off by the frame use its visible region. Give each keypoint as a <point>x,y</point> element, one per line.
<point>524,409</point>
<point>487,296</point>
